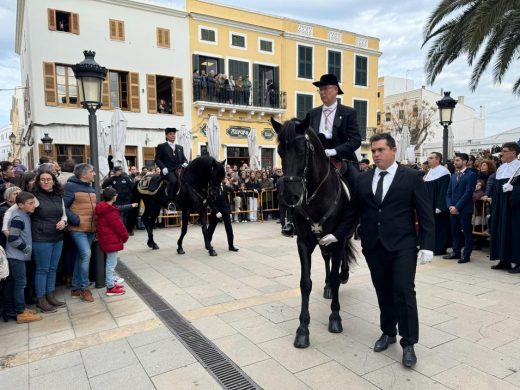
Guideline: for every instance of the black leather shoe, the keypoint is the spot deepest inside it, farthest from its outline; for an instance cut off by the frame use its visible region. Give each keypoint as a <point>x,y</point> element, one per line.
<point>233,249</point>
<point>462,261</point>
<point>383,342</point>
<point>502,265</point>
<point>409,358</point>
<point>453,256</point>
<point>515,270</point>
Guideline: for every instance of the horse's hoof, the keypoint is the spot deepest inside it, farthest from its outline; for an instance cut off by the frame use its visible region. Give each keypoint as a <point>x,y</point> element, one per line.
<point>152,245</point>
<point>327,292</point>
<point>180,251</point>
<point>212,252</point>
<point>335,326</point>
<point>344,279</point>
<point>155,246</point>
<point>301,341</point>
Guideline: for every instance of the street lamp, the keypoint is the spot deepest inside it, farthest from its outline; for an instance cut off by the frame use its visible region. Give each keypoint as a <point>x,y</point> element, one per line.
<point>90,76</point>
<point>446,106</point>
<point>47,143</point>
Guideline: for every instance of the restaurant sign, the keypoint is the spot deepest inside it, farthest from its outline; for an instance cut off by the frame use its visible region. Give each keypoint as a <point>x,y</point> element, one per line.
<point>268,133</point>
<point>238,131</point>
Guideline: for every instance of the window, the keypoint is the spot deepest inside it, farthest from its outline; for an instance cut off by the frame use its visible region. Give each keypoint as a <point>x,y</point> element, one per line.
<point>378,118</point>
<point>63,21</point>
<point>164,94</point>
<point>117,30</point>
<point>208,35</point>
<point>401,114</point>
<point>361,71</point>
<point>238,68</point>
<point>267,158</point>
<point>265,46</point>
<point>388,116</point>
<point>335,63</point>
<point>70,152</point>
<point>121,89</point>
<point>415,111</point>
<point>163,38</point>
<point>238,40</point>
<point>361,109</point>
<point>66,86</point>
<point>304,62</point>
<point>303,105</point>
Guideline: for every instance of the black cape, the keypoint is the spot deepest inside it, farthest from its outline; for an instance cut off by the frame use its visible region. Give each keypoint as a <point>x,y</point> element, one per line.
<point>437,191</point>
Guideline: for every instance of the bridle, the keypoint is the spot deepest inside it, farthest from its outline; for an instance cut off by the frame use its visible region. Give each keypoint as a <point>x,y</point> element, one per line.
<point>304,199</point>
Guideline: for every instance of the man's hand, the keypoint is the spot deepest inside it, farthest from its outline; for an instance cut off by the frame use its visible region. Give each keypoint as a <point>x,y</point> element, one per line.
<point>437,211</point>
<point>165,171</point>
<point>328,239</point>
<point>184,165</point>
<point>27,250</point>
<point>330,152</point>
<point>453,210</point>
<point>134,205</point>
<point>424,256</point>
<point>507,187</point>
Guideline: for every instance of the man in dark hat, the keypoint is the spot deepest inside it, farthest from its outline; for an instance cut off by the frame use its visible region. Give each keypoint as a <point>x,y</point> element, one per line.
<point>337,129</point>
<point>170,157</point>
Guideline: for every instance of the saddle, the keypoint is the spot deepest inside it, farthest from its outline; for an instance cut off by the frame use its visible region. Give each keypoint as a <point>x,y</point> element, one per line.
<point>150,184</point>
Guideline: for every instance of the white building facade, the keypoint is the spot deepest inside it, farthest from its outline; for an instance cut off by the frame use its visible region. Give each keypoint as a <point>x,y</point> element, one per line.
<point>5,144</point>
<point>143,46</point>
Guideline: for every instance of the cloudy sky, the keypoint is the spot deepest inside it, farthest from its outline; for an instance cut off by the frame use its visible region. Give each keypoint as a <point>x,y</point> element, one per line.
<point>398,25</point>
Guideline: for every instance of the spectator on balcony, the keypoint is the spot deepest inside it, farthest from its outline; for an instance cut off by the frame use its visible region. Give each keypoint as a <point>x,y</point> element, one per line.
<point>212,86</point>
<point>163,107</point>
<point>196,85</point>
<point>247,89</point>
<point>239,90</point>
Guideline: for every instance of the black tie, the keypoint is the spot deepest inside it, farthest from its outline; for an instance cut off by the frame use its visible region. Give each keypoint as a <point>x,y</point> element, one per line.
<point>379,188</point>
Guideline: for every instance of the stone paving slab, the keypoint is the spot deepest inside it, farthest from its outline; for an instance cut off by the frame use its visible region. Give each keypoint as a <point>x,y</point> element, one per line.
<point>248,303</point>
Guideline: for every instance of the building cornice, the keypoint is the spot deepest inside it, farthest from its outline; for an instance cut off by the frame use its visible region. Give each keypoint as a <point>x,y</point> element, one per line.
<point>235,24</point>
<point>331,44</point>
<point>147,7</point>
<point>20,6</point>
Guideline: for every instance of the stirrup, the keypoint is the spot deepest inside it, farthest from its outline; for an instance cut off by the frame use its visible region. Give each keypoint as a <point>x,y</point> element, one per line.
<point>171,207</point>
<point>288,229</point>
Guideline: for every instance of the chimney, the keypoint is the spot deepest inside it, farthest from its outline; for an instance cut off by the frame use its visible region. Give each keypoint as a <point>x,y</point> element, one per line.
<point>460,99</point>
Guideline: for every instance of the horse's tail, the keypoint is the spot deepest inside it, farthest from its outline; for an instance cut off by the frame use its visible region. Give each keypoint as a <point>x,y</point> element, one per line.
<point>351,251</point>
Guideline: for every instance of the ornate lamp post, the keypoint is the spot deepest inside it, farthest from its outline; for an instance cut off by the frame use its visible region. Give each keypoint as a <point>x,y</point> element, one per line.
<point>47,143</point>
<point>90,76</point>
<point>446,107</point>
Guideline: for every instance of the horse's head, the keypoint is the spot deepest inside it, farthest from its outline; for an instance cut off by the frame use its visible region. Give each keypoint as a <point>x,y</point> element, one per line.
<point>293,148</point>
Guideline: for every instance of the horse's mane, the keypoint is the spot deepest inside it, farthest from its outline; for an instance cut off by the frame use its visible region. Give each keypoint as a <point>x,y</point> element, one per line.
<point>198,173</point>
<point>290,129</point>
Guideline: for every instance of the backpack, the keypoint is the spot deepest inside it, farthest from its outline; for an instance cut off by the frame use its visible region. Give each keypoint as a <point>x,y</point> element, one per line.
<point>4,265</point>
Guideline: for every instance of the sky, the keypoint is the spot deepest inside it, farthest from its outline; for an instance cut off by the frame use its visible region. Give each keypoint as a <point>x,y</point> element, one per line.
<point>398,25</point>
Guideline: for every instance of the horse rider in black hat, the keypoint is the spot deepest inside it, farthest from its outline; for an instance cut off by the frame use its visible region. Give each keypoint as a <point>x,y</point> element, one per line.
<point>337,128</point>
<point>170,157</point>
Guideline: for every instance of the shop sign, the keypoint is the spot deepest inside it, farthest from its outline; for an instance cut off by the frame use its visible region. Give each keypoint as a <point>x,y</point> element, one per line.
<point>268,133</point>
<point>238,131</point>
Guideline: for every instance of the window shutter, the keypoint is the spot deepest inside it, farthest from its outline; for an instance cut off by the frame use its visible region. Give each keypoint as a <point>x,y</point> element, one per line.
<point>113,29</point>
<point>151,93</point>
<point>166,38</point>
<point>178,100</point>
<point>134,98</point>
<point>159,38</point>
<point>74,23</point>
<point>105,99</point>
<point>49,75</point>
<point>51,16</point>
<point>121,30</point>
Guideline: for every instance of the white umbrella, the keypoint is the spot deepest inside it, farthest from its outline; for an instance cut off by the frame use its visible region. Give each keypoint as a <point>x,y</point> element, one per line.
<point>451,145</point>
<point>118,138</point>
<point>103,148</point>
<point>184,140</point>
<point>252,146</point>
<point>213,134</point>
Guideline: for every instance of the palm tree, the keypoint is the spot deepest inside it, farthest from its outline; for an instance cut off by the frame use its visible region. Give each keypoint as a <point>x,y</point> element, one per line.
<point>480,30</point>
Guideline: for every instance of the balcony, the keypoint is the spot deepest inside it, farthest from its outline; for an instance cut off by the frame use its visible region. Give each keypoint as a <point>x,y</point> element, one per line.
<point>255,102</point>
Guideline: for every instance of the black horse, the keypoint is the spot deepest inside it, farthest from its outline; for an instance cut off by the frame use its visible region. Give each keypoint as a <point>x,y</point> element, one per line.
<point>320,200</point>
<point>199,184</point>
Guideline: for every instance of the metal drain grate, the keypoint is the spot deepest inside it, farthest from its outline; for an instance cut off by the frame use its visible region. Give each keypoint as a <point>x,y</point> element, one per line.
<point>223,369</point>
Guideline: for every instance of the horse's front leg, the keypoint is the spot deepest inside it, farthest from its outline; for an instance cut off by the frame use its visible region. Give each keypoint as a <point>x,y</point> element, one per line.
<point>327,292</point>
<point>184,228</point>
<point>151,212</point>
<point>207,243</point>
<point>334,318</point>
<point>302,333</point>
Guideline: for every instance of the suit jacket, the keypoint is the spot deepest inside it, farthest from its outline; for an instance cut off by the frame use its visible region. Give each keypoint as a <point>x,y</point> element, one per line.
<point>165,157</point>
<point>460,193</point>
<point>393,222</point>
<point>346,138</point>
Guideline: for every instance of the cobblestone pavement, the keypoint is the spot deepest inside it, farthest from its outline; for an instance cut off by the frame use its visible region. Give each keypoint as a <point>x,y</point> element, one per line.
<point>247,303</point>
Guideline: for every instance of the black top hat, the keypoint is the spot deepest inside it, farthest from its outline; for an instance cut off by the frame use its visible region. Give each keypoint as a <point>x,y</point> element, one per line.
<point>328,79</point>
<point>170,130</point>
<point>117,168</point>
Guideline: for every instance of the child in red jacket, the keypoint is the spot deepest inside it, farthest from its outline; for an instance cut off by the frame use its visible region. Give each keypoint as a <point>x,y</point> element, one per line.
<point>111,234</point>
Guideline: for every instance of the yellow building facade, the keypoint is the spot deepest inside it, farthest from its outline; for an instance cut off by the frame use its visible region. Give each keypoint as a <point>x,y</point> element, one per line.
<point>281,58</point>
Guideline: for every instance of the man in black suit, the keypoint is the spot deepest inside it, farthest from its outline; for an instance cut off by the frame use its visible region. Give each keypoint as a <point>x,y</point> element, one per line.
<point>170,157</point>
<point>338,131</point>
<point>459,199</point>
<point>389,198</point>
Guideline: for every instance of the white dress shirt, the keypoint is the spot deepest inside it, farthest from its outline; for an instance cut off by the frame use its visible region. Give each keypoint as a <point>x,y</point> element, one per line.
<point>327,122</point>
<point>172,145</point>
<point>387,180</point>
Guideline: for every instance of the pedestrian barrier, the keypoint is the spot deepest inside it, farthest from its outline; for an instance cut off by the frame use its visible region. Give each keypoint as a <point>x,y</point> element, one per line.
<point>480,218</point>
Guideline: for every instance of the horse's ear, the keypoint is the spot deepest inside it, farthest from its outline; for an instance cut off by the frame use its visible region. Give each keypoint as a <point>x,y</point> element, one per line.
<point>277,126</point>
<point>315,141</point>
<point>223,162</point>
